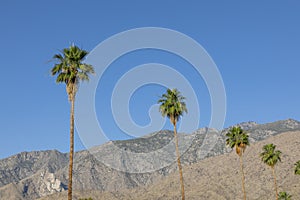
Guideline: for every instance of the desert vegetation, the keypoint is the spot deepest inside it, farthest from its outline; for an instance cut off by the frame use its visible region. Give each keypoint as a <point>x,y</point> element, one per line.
<point>297,167</point>
<point>284,196</point>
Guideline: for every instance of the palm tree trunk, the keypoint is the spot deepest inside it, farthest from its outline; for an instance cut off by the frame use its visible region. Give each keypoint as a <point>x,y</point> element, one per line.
<point>243,176</point>
<point>275,183</point>
<point>71,148</point>
<point>179,163</point>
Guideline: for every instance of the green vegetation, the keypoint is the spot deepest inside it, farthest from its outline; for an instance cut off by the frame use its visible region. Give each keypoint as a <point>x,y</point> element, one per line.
<point>173,106</point>
<point>270,157</point>
<point>236,137</point>
<point>86,198</point>
<point>70,70</point>
<point>284,196</point>
<point>297,168</point>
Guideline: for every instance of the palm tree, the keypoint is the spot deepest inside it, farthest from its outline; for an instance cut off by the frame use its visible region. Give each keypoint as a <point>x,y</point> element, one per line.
<point>284,196</point>
<point>297,167</point>
<point>236,137</point>
<point>70,70</point>
<point>173,106</point>
<point>270,157</point>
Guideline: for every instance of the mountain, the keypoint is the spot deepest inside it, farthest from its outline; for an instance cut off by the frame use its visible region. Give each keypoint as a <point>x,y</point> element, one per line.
<point>136,165</point>
<point>31,174</point>
<point>218,177</point>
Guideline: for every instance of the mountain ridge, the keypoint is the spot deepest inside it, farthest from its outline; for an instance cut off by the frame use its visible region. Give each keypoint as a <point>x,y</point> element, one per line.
<point>153,159</point>
<point>218,177</point>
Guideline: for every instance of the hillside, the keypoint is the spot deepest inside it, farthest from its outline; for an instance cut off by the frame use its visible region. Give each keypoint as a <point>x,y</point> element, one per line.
<point>151,172</point>
<point>218,177</point>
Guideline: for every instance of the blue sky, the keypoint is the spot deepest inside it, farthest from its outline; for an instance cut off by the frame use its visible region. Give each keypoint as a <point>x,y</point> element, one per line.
<point>255,45</point>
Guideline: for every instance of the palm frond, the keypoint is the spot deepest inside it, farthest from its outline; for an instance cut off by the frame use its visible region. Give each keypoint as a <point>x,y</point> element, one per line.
<point>56,69</point>
<point>58,57</point>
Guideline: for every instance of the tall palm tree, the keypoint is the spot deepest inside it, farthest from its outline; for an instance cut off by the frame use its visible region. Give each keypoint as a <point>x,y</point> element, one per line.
<point>70,70</point>
<point>271,157</point>
<point>173,106</point>
<point>297,167</point>
<point>236,137</point>
<point>284,196</point>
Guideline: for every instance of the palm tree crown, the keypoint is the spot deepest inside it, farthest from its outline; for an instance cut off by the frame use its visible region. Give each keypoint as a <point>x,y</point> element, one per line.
<point>236,137</point>
<point>297,167</point>
<point>172,105</point>
<point>70,69</point>
<point>270,156</point>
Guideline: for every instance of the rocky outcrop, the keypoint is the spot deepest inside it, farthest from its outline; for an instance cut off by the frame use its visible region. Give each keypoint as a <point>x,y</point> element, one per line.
<point>25,164</point>
<point>49,184</point>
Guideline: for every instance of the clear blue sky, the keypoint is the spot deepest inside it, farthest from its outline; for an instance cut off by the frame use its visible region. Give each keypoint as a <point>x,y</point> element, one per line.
<point>255,44</point>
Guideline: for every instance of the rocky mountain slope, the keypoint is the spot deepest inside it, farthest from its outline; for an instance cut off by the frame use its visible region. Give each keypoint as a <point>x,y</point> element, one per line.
<point>218,177</point>
<point>142,163</point>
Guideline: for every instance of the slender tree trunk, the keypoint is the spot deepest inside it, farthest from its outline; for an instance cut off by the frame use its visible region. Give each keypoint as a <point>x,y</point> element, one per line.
<point>179,163</point>
<point>243,176</point>
<point>275,183</point>
<point>71,148</point>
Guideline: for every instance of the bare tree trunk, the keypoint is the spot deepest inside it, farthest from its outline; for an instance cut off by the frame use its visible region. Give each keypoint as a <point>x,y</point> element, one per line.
<point>275,183</point>
<point>179,163</point>
<point>243,176</point>
<point>71,148</point>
